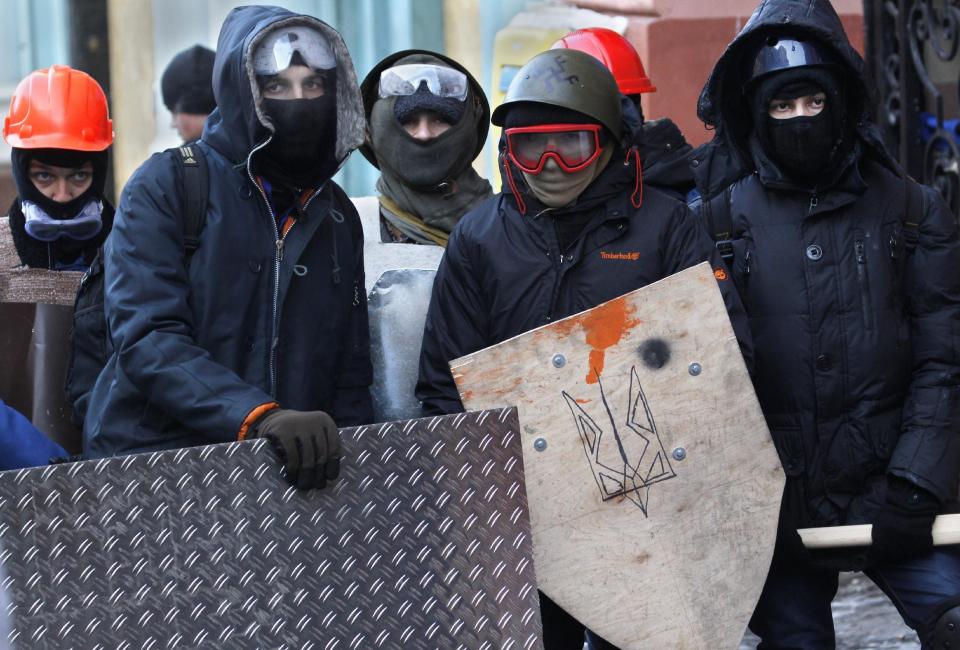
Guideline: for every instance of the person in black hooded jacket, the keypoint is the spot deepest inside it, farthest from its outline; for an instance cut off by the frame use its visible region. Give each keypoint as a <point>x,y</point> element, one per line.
<point>264,332</point>
<point>573,228</point>
<point>428,119</point>
<point>849,273</point>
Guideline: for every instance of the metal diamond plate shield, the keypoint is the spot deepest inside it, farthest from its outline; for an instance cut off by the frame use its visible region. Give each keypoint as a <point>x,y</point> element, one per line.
<point>424,542</point>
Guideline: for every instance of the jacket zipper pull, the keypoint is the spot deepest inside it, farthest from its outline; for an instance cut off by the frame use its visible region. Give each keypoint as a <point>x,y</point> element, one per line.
<point>814,202</point>
<point>861,255</point>
<point>280,250</point>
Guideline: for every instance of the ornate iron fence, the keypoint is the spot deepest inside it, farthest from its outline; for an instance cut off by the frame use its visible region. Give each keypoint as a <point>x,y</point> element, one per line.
<point>912,55</point>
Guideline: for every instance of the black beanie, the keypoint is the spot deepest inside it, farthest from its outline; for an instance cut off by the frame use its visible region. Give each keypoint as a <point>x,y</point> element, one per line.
<point>450,109</point>
<point>187,82</point>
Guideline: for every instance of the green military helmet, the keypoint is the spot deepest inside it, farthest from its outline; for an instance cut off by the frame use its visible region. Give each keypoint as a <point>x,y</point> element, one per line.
<point>570,79</point>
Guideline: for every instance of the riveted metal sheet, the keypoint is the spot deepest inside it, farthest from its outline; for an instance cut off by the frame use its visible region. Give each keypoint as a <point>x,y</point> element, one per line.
<point>424,542</point>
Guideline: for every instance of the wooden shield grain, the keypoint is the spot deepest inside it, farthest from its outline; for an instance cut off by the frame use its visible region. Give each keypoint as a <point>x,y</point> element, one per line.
<point>652,480</point>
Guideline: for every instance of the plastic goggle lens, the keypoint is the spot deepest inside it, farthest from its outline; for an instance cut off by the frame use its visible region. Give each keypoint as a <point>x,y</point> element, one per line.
<point>572,149</point>
<point>276,51</point>
<point>440,80</point>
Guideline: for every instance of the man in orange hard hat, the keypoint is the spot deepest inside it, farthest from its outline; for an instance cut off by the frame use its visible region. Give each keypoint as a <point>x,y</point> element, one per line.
<point>664,153</point>
<point>60,131</point>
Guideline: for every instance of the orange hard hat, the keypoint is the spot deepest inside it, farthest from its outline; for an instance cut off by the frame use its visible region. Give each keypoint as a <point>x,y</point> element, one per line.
<point>613,51</point>
<point>58,108</point>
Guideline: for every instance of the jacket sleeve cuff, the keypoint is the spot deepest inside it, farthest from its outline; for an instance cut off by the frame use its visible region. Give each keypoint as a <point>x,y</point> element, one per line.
<point>253,416</point>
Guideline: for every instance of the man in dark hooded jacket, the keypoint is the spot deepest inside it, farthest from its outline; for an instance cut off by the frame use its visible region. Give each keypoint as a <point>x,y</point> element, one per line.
<point>849,273</point>
<point>573,228</point>
<point>428,120</point>
<point>264,331</point>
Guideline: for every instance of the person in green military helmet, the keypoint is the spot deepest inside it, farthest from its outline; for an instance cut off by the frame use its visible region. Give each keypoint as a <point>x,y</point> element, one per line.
<point>427,121</point>
<point>574,227</point>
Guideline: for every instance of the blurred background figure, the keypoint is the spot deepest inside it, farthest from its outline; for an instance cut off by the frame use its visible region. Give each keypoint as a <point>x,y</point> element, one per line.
<point>664,153</point>
<point>187,89</point>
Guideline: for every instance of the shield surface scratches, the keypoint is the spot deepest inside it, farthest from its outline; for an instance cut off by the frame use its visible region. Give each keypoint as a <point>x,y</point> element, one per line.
<point>653,483</point>
<point>423,542</point>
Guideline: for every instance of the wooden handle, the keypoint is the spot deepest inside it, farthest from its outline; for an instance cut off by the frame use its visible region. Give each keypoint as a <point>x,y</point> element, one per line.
<point>946,530</point>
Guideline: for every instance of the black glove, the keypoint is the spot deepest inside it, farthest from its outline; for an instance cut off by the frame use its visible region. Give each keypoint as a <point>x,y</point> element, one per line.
<point>903,526</point>
<point>308,444</point>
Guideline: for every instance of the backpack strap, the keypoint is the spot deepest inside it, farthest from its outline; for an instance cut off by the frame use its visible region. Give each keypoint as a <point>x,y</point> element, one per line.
<point>718,219</point>
<point>912,213</point>
<point>195,184</point>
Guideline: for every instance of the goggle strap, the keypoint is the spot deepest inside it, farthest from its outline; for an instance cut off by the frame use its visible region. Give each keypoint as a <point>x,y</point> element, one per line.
<point>505,160</point>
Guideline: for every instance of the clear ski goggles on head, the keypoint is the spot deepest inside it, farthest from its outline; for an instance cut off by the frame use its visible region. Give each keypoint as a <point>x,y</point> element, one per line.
<point>406,79</point>
<point>274,54</point>
<point>42,226</point>
<point>572,146</point>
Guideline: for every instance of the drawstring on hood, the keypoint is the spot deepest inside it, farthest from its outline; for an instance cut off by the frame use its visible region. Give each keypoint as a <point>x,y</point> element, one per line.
<point>636,197</point>
<point>335,218</point>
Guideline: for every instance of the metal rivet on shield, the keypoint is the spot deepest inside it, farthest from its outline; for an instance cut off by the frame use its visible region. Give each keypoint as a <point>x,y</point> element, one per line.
<point>695,369</point>
<point>559,361</point>
<point>540,444</point>
<point>679,453</point>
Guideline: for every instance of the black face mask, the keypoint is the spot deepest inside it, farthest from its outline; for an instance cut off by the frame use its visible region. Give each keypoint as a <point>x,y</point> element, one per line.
<point>302,152</point>
<point>803,147</point>
<point>27,191</point>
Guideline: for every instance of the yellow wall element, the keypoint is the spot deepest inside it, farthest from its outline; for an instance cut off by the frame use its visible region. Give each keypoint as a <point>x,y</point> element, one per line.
<point>461,42</point>
<point>130,27</point>
<point>528,33</point>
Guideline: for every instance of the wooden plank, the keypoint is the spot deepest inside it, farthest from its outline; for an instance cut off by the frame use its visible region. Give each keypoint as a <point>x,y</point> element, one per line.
<point>946,530</point>
<point>654,498</point>
<point>23,284</point>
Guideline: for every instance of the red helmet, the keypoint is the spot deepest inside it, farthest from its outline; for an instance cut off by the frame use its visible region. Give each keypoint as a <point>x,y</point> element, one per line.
<point>613,51</point>
<point>58,108</point>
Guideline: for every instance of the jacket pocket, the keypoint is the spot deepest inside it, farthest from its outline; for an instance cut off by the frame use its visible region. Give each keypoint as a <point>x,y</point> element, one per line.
<point>789,443</point>
<point>863,280</point>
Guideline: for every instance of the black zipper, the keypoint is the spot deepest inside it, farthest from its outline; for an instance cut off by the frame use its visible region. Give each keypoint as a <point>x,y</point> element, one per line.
<point>863,278</point>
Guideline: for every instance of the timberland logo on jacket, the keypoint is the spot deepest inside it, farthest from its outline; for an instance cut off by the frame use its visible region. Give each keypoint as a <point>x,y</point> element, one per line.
<point>620,255</point>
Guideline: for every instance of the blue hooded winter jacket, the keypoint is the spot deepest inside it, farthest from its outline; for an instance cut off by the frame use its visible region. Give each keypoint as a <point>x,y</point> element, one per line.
<point>251,320</point>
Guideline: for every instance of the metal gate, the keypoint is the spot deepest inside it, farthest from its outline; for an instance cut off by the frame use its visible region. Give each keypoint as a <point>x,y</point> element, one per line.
<point>912,55</point>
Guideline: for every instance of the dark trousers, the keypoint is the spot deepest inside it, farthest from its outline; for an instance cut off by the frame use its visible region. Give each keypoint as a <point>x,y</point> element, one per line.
<point>794,608</point>
<point>563,632</point>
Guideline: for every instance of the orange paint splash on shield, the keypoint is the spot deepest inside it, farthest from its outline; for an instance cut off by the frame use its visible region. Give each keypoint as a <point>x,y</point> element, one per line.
<point>605,326</point>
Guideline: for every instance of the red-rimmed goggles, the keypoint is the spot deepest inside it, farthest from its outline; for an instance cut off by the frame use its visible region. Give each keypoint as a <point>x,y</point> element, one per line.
<point>572,146</point>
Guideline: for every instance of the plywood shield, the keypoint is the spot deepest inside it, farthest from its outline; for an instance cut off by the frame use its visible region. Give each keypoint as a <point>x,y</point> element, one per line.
<point>652,481</point>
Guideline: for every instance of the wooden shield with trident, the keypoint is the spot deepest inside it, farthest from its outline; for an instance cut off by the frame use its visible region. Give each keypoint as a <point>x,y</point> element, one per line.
<point>653,483</point>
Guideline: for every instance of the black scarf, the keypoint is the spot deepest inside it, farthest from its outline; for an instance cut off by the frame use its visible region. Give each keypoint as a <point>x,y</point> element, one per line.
<point>302,153</point>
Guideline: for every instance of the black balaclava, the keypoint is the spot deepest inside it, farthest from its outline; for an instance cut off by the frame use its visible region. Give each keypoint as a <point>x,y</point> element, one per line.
<point>301,153</point>
<point>804,148</point>
<point>27,191</point>
<point>431,179</point>
<point>41,254</point>
<point>187,82</point>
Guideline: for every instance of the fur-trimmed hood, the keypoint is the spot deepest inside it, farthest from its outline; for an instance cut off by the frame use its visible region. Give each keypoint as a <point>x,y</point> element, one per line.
<point>238,125</point>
